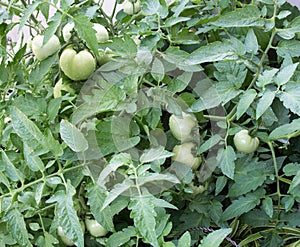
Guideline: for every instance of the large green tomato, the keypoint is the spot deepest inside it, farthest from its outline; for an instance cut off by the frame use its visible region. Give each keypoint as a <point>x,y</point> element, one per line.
<point>244,142</point>
<point>131,8</point>
<point>95,228</point>
<point>42,51</point>
<point>184,154</point>
<point>101,32</point>
<point>181,127</point>
<point>77,66</point>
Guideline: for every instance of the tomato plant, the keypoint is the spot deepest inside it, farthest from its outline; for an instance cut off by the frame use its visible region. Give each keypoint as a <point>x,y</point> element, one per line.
<point>135,120</point>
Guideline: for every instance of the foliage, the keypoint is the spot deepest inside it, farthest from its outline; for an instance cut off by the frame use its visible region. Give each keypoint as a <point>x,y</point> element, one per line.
<point>102,148</point>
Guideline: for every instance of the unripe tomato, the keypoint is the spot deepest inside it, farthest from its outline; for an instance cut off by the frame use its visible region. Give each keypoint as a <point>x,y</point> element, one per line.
<point>77,66</point>
<point>101,32</point>
<point>94,228</point>
<point>183,154</point>
<point>181,128</point>
<point>244,142</point>
<point>131,8</point>
<point>42,51</point>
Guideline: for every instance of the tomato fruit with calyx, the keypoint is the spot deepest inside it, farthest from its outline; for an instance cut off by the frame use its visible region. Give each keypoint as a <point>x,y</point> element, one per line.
<point>181,127</point>
<point>42,51</point>
<point>94,228</point>
<point>244,142</point>
<point>131,8</point>
<point>77,66</point>
<point>183,153</point>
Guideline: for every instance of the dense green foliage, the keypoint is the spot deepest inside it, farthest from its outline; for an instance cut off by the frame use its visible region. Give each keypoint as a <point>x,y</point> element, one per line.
<point>101,148</point>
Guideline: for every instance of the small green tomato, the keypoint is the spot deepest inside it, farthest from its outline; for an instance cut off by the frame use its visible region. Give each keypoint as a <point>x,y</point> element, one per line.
<point>94,228</point>
<point>77,66</point>
<point>67,31</point>
<point>101,33</point>
<point>131,8</point>
<point>42,51</point>
<point>244,142</point>
<point>184,154</point>
<point>181,127</point>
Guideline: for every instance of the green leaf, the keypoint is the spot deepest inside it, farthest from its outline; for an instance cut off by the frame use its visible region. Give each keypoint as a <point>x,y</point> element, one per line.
<point>17,227</point>
<point>156,177</point>
<point>295,182</point>
<point>267,204</point>
<point>153,154</point>
<point>27,130</point>
<point>96,196</point>
<point>220,184</point>
<point>264,103</point>
<point>285,74</point>
<point>285,130</point>
<point>27,13</point>
<point>251,42</point>
<point>291,169</point>
<point>242,205</point>
<point>216,51</point>
<point>52,26</point>
<point>291,30</point>
<point>174,20</point>
<point>245,101</point>
<point>211,142</point>
<point>143,215</point>
<point>11,171</point>
<point>266,78</point>
<point>288,48</point>
<point>121,237</point>
<point>153,7</point>
<point>66,214</point>
<point>85,30</point>
<point>226,159</point>
<point>185,240</point>
<point>73,137</point>
<point>247,16</point>
<point>34,162</point>
<point>214,239</point>
<point>290,97</point>
<point>158,70</point>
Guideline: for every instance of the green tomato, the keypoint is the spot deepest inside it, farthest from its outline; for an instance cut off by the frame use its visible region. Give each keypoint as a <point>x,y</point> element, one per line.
<point>244,142</point>
<point>42,51</point>
<point>63,236</point>
<point>101,32</point>
<point>77,66</point>
<point>131,8</point>
<point>94,228</point>
<point>184,154</point>
<point>181,127</point>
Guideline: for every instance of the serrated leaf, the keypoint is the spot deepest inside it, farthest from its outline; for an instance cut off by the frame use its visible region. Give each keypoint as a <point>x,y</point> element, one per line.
<point>291,169</point>
<point>67,215</point>
<point>158,70</point>
<point>242,205</point>
<point>264,103</point>
<point>153,7</point>
<point>214,239</point>
<point>295,182</point>
<point>284,130</point>
<point>290,97</point>
<point>251,42</point>
<point>226,158</point>
<point>27,130</point>
<point>285,74</point>
<point>86,32</point>
<point>291,30</point>
<point>247,16</point>
<point>96,196</point>
<point>245,101</point>
<point>220,184</point>
<point>266,78</point>
<point>72,137</point>
<point>211,142</point>
<point>52,26</point>
<point>155,154</point>
<point>174,20</point>
<point>11,171</point>
<point>121,237</point>
<point>17,227</point>
<point>143,215</point>
<point>288,48</point>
